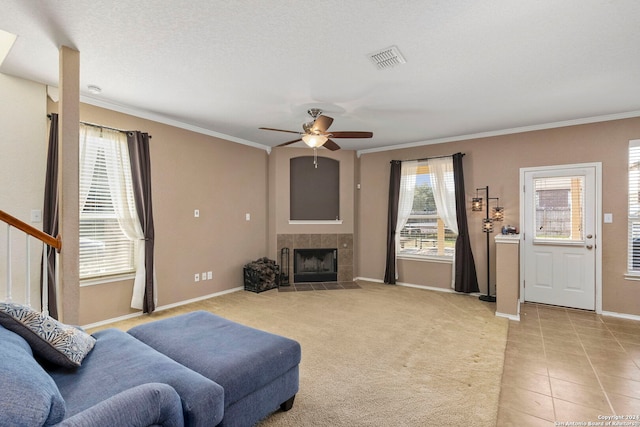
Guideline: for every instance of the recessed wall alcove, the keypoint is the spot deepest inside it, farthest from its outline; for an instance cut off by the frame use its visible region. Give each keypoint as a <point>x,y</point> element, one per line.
<point>314,189</point>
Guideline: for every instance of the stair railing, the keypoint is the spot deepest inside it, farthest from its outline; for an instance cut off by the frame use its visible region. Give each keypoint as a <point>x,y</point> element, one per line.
<point>47,241</point>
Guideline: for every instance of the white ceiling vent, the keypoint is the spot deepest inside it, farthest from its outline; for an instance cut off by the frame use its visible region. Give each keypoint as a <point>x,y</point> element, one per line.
<point>387,58</point>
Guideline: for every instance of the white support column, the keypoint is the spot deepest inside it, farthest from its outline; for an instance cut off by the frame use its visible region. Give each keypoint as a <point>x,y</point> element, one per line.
<point>8,297</point>
<point>69,126</point>
<point>27,276</point>
<point>45,280</point>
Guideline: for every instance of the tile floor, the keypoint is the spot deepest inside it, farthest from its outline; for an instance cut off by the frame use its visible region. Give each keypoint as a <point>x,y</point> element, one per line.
<point>564,365</point>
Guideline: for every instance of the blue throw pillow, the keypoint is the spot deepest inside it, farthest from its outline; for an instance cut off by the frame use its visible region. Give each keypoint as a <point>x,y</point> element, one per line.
<point>55,342</point>
<point>28,395</point>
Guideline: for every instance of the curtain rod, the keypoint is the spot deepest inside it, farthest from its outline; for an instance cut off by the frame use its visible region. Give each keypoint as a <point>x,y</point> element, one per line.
<point>101,127</point>
<point>425,158</point>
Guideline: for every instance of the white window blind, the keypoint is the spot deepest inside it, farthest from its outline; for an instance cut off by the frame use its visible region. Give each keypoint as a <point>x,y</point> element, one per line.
<point>104,248</point>
<point>633,251</point>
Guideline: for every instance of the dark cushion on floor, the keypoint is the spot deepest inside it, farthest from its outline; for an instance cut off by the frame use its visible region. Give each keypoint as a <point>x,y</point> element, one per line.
<point>239,358</point>
<point>119,362</point>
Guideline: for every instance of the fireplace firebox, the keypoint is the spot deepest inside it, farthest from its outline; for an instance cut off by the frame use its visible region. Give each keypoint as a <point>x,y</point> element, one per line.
<point>315,265</point>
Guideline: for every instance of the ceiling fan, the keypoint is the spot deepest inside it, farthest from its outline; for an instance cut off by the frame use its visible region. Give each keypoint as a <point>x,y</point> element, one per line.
<point>315,132</point>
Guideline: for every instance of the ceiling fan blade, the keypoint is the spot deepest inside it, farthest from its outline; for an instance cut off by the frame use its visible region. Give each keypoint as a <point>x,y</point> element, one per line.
<point>322,123</point>
<point>331,145</point>
<point>279,130</point>
<point>349,134</point>
<point>290,142</point>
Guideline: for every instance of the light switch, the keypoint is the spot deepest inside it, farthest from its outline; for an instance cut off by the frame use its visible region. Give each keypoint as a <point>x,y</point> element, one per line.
<point>608,218</point>
<point>196,213</point>
<point>247,217</point>
<point>36,215</point>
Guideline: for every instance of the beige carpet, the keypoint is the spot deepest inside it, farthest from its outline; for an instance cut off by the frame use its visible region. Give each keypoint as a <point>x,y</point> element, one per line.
<point>380,355</point>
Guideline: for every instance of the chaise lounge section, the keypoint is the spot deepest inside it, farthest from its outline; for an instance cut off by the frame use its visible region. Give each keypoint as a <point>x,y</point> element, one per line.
<point>257,370</point>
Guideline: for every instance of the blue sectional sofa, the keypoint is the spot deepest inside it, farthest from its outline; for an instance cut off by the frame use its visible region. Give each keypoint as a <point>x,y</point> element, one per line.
<point>123,381</point>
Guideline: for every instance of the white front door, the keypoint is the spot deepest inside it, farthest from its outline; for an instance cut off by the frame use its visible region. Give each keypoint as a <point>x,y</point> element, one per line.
<point>559,242</point>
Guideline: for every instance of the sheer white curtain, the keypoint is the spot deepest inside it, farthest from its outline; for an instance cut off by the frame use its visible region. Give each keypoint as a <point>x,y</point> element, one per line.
<point>444,194</point>
<point>408,174</point>
<point>119,165</point>
<point>87,160</point>
<point>114,146</point>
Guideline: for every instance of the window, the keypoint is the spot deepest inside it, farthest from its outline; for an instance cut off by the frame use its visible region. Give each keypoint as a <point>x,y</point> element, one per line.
<point>633,251</point>
<point>106,205</point>
<point>559,208</point>
<point>425,233</point>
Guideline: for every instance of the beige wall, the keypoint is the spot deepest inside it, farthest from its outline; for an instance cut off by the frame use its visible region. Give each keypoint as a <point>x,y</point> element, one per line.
<point>496,162</point>
<point>23,156</point>
<point>227,180</point>
<point>224,180</point>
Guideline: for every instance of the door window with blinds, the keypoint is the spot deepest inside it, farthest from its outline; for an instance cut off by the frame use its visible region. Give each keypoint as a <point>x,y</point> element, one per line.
<point>108,247</point>
<point>633,251</point>
<point>559,209</point>
<point>425,234</point>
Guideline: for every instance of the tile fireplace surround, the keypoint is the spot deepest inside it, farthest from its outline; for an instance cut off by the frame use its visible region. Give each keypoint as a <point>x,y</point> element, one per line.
<point>343,242</point>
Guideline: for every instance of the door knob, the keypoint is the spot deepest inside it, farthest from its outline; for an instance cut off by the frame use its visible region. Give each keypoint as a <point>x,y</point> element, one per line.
<point>589,247</point>
<point>589,236</point>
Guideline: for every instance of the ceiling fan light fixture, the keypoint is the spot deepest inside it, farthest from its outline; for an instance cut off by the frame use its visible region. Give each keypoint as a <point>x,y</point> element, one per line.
<point>314,141</point>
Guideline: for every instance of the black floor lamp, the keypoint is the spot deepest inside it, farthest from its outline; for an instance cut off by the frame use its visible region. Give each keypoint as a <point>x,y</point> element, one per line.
<point>487,228</point>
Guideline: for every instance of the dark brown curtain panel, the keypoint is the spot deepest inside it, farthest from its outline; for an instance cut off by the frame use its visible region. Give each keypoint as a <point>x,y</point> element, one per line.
<point>138,145</point>
<point>466,279</point>
<point>392,220</point>
<point>50,215</point>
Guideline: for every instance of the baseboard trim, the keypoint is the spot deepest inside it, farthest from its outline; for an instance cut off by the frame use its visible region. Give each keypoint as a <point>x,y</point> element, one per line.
<point>621,315</point>
<point>515,317</point>
<point>161,308</point>
<point>425,287</point>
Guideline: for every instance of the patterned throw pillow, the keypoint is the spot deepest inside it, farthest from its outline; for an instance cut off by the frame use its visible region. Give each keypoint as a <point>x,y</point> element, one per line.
<point>56,342</point>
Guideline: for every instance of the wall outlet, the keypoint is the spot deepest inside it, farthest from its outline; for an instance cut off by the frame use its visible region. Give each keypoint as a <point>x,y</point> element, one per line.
<point>196,278</point>
<point>247,217</point>
<point>204,275</point>
<point>209,275</point>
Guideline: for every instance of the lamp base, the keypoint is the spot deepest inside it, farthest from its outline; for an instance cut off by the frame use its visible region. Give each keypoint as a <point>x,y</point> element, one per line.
<point>487,298</point>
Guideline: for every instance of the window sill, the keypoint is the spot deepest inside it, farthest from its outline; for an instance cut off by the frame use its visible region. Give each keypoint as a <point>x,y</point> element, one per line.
<point>440,260</point>
<point>632,276</point>
<point>106,279</point>
<point>314,222</point>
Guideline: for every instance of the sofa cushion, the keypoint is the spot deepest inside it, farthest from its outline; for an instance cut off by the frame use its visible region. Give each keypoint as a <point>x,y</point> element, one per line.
<point>152,404</point>
<point>53,341</point>
<point>28,395</point>
<point>119,362</point>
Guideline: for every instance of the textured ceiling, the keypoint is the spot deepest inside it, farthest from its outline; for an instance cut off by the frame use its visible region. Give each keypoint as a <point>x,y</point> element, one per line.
<point>229,67</point>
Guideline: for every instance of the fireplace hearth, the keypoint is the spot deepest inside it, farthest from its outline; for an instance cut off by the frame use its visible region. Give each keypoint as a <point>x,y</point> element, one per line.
<point>315,265</point>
